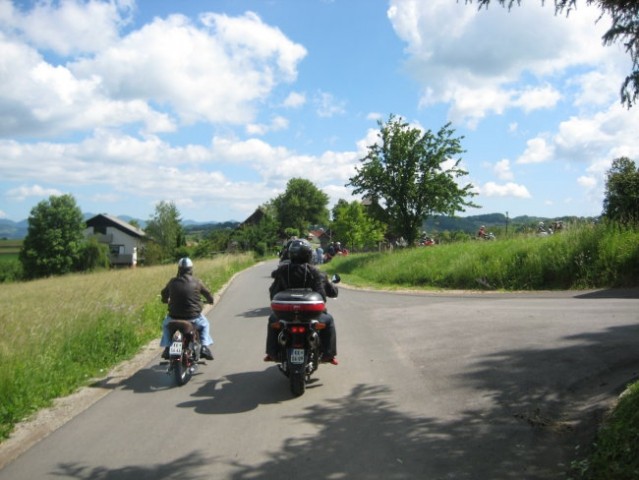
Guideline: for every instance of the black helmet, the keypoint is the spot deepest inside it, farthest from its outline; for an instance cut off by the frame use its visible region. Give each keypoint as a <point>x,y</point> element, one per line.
<point>300,251</point>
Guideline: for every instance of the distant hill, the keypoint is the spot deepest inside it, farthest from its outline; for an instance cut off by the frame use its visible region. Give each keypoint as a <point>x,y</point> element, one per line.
<point>472,223</point>
<point>18,230</point>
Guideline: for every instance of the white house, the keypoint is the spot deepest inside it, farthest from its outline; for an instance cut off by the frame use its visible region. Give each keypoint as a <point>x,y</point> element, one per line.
<point>126,242</point>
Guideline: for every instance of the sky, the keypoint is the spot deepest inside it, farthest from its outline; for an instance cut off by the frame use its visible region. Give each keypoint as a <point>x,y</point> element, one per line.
<point>215,105</point>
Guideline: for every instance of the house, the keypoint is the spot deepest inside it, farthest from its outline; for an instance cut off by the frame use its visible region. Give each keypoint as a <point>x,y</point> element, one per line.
<point>126,242</point>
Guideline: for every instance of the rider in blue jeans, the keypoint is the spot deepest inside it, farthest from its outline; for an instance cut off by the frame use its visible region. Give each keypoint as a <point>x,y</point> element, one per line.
<point>183,294</point>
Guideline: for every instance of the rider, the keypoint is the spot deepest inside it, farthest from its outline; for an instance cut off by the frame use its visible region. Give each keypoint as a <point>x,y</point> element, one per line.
<point>482,232</point>
<point>299,273</point>
<point>183,294</point>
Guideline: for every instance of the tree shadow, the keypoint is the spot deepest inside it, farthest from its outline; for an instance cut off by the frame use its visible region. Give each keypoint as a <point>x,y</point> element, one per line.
<point>611,293</point>
<point>182,468</point>
<point>542,404</point>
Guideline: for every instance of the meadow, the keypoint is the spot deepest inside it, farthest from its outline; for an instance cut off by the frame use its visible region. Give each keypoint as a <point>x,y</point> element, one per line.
<point>59,333</point>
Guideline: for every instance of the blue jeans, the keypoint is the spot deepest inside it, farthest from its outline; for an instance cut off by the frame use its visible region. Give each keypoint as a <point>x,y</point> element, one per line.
<point>202,324</point>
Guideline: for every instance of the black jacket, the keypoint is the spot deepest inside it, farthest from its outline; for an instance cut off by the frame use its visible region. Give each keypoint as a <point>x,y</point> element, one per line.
<point>183,294</point>
<point>301,275</point>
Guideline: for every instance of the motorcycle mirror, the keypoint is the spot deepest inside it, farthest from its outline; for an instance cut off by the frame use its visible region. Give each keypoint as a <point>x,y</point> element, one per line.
<point>336,278</point>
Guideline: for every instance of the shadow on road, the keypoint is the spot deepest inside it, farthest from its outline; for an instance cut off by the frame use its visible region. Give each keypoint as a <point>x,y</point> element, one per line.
<point>240,392</point>
<point>181,468</point>
<point>545,402</point>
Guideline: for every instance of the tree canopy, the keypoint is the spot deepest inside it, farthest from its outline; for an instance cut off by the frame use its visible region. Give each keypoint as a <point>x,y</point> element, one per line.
<point>356,229</point>
<point>411,174</point>
<point>55,238</point>
<point>621,201</point>
<point>624,30</point>
<point>301,205</point>
<point>165,229</point>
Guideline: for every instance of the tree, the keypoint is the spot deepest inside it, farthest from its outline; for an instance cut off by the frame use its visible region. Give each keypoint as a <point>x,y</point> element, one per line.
<point>621,201</point>
<point>406,172</point>
<point>624,29</point>
<point>55,238</point>
<point>165,229</point>
<point>301,205</point>
<point>354,227</point>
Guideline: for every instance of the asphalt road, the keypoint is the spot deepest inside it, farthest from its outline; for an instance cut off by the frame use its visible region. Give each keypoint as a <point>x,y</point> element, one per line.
<point>429,386</point>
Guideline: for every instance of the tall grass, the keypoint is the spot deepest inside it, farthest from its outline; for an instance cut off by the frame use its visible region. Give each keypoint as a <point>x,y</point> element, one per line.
<point>58,333</point>
<point>604,255</point>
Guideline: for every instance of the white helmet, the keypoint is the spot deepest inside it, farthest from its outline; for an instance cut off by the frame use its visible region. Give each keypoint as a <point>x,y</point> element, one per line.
<point>185,263</point>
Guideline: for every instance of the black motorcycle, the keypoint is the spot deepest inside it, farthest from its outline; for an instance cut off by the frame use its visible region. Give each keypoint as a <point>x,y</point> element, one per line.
<point>184,351</point>
<point>298,311</point>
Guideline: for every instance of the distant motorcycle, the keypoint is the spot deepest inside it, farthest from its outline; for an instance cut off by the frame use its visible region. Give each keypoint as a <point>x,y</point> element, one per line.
<point>298,311</point>
<point>184,351</point>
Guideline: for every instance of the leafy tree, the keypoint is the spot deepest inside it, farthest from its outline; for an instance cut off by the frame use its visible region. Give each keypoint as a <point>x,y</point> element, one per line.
<point>93,255</point>
<point>405,171</point>
<point>165,229</point>
<point>301,205</point>
<point>621,201</point>
<point>624,29</point>
<point>55,238</point>
<point>260,237</point>
<point>354,227</point>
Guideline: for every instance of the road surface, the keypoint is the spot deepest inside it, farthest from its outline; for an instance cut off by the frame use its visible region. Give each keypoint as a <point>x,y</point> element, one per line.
<point>429,386</point>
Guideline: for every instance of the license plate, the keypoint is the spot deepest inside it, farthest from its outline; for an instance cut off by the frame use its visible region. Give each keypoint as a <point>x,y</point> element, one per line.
<point>176,348</point>
<point>297,355</point>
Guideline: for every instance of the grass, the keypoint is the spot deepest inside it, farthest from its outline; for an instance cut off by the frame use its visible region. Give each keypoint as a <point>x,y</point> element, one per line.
<point>59,333</point>
<point>586,257</point>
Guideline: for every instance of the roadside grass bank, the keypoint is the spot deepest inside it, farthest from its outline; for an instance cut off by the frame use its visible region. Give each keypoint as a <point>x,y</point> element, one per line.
<point>599,256</point>
<point>59,333</point>
<point>602,256</point>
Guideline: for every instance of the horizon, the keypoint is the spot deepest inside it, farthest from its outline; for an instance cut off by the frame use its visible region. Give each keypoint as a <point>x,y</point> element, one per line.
<point>120,117</point>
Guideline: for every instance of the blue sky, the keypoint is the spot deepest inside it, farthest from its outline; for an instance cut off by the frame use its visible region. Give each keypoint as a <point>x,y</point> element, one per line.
<point>215,105</point>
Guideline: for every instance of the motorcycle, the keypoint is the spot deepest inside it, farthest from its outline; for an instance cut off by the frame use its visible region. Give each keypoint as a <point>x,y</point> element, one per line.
<point>184,351</point>
<point>298,311</point>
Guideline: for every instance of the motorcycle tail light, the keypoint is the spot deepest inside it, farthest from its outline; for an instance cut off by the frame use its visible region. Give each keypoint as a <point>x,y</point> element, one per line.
<point>298,329</point>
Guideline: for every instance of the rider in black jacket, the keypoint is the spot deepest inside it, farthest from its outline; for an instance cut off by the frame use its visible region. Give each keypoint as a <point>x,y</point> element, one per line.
<point>299,273</point>
<point>183,293</point>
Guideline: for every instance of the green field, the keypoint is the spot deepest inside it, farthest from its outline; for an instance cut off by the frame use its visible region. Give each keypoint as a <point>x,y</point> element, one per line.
<point>9,249</point>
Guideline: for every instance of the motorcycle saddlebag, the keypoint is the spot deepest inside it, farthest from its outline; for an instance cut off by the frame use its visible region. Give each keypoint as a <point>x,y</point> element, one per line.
<point>297,304</point>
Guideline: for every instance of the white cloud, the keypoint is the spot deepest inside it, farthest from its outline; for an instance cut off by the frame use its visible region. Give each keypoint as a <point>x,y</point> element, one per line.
<point>502,170</point>
<point>169,70</point>
<point>277,123</point>
<point>327,105</point>
<point>536,98</point>
<point>68,27</point>
<point>537,151</point>
<point>23,192</point>
<point>510,189</point>
<point>457,62</point>
<point>295,100</point>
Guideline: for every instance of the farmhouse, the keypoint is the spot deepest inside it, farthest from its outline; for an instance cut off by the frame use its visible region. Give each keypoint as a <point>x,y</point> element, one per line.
<point>126,242</point>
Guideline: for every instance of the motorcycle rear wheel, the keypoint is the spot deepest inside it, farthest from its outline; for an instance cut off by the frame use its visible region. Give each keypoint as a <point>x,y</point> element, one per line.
<point>181,371</point>
<point>298,383</point>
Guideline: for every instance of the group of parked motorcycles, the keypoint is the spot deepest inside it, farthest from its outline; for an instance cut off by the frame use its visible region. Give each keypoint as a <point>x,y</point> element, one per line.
<point>297,312</point>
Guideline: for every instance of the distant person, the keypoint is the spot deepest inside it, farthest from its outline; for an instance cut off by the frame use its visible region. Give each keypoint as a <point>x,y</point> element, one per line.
<point>319,255</point>
<point>482,232</point>
<point>184,293</point>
